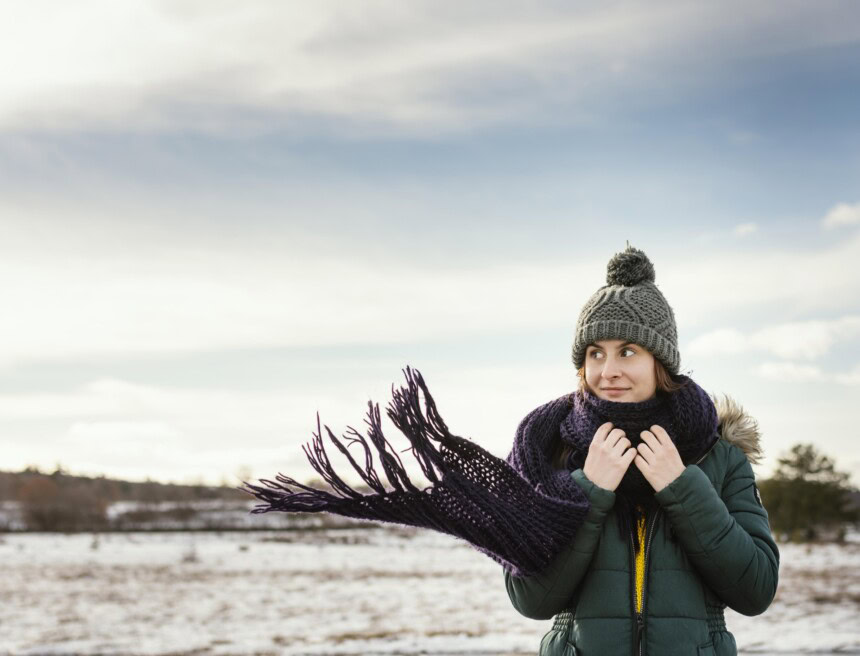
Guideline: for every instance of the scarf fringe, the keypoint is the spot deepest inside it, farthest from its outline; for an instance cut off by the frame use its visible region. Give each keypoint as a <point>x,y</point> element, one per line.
<point>472,495</point>
<point>281,494</point>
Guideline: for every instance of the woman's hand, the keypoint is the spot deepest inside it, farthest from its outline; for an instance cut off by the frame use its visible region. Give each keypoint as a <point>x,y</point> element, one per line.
<point>609,456</point>
<point>658,459</point>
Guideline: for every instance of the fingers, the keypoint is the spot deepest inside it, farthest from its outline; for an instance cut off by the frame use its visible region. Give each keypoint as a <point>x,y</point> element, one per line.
<point>602,432</point>
<point>650,439</point>
<point>621,446</point>
<point>615,436</point>
<point>628,457</point>
<point>645,452</point>
<point>660,433</point>
<point>647,448</point>
<point>639,461</point>
<point>609,456</point>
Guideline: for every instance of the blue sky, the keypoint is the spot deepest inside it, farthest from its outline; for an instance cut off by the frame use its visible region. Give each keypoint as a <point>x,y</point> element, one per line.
<point>217,219</point>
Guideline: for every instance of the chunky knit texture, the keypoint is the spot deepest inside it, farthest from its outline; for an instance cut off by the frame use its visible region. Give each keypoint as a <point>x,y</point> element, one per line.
<point>629,307</point>
<point>688,415</point>
<point>521,511</point>
<point>472,495</point>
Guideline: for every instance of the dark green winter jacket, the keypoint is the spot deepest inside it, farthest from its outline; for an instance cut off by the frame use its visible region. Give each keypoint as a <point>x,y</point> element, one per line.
<point>719,552</point>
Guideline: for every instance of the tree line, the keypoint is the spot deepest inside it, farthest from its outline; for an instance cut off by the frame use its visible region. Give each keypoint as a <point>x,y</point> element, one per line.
<point>59,501</point>
<point>807,498</point>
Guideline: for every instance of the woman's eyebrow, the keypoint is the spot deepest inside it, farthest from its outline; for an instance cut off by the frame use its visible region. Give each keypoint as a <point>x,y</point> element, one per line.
<point>620,346</point>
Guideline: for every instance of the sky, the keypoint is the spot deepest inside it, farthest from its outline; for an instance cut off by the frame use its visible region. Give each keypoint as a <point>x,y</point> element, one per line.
<point>218,219</point>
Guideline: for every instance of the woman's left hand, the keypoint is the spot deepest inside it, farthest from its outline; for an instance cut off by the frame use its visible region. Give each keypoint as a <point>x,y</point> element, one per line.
<point>657,458</point>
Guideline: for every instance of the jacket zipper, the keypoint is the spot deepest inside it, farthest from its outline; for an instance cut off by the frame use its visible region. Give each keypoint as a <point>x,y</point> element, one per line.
<point>708,452</point>
<point>640,614</point>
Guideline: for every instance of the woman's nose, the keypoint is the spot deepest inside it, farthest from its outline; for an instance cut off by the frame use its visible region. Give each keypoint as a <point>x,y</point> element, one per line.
<point>611,369</point>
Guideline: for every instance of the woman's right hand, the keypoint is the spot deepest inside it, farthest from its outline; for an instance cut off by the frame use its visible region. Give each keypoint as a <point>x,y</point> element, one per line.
<point>609,455</point>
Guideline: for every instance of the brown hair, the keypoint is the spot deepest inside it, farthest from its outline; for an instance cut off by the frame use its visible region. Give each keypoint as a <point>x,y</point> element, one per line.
<point>665,384</point>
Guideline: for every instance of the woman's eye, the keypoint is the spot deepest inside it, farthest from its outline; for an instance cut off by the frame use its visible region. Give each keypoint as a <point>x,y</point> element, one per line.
<point>596,354</point>
<point>629,350</point>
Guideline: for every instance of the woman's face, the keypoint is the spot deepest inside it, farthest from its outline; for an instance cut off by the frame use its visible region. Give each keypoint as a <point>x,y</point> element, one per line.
<point>616,370</point>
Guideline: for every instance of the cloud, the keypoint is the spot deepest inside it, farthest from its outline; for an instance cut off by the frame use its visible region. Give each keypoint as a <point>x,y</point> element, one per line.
<point>789,372</point>
<point>179,294</point>
<point>136,294</point>
<point>801,339</point>
<point>841,215</point>
<point>793,372</point>
<point>723,341</point>
<point>122,428</point>
<point>805,339</point>
<point>112,405</point>
<point>745,229</point>
<point>120,433</point>
<point>851,378</point>
<point>233,67</point>
<point>125,428</point>
<point>708,288</point>
<point>114,309</point>
<point>744,136</point>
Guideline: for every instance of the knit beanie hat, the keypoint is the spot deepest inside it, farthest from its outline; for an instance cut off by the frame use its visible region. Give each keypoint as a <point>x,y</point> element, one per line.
<point>629,307</point>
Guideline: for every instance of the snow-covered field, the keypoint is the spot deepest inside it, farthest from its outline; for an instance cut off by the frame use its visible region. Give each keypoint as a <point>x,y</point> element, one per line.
<point>371,591</point>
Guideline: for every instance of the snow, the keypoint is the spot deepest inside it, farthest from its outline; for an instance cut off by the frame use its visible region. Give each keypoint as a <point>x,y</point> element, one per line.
<point>347,591</point>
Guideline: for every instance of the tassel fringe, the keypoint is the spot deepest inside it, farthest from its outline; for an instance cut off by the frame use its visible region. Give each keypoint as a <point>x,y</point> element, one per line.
<point>472,494</point>
<point>282,494</point>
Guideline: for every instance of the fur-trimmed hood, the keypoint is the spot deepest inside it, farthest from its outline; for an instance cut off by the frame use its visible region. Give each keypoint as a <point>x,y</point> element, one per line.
<point>738,428</point>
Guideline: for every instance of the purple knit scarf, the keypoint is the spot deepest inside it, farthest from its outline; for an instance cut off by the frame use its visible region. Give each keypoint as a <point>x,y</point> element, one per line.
<point>688,415</point>
<point>521,511</point>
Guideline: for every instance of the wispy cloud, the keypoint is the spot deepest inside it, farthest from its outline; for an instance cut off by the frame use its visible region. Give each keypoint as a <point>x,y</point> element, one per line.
<point>789,372</point>
<point>743,136</point>
<point>793,372</point>
<point>228,68</point>
<point>745,229</point>
<point>218,300</point>
<point>841,215</point>
<point>729,281</point>
<point>182,294</point>
<point>722,341</point>
<point>170,432</point>
<point>131,429</point>
<point>108,400</point>
<point>805,340</point>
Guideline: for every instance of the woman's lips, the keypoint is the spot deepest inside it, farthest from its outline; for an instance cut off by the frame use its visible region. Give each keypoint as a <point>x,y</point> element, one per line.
<point>615,391</point>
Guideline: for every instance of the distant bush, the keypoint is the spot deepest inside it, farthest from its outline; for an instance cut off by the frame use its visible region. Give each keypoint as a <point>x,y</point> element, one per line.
<point>115,490</point>
<point>807,499</point>
<point>154,515</point>
<point>49,506</point>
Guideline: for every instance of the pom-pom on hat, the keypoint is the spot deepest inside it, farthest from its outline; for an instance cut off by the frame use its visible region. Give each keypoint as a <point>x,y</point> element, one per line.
<point>629,307</point>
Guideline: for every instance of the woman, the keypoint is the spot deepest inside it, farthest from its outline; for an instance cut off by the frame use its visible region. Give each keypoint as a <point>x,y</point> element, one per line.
<point>628,509</point>
<point>675,530</point>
